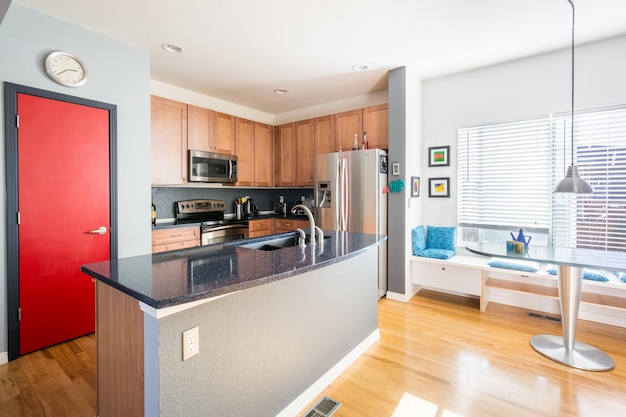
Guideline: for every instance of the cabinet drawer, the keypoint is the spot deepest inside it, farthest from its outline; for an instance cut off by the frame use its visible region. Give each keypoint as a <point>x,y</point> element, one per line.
<point>448,278</point>
<point>290,224</point>
<point>256,225</point>
<point>175,235</point>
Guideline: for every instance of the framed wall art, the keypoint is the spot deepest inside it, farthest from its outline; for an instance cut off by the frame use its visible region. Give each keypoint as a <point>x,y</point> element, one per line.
<point>439,187</point>
<point>415,186</point>
<point>439,156</point>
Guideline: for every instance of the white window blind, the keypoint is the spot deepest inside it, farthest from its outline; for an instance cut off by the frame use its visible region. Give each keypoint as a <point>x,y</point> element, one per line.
<point>504,174</point>
<point>596,220</point>
<point>507,171</point>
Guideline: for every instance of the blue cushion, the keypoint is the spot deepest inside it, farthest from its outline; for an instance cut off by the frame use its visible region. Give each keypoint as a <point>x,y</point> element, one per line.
<point>510,264</point>
<point>418,239</point>
<point>440,238</point>
<point>621,276</point>
<point>436,253</point>
<point>590,274</point>
<point>595,275</point>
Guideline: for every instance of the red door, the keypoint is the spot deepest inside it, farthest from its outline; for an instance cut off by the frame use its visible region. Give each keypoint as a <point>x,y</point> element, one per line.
<point>63,194</point>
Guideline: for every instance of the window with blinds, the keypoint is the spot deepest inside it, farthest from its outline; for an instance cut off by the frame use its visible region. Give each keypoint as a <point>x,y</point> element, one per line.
<point>507,171</point>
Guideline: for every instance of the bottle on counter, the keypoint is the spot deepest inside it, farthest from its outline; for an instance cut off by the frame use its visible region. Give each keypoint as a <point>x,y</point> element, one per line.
<point>365,144</point>
<point>154,215</point>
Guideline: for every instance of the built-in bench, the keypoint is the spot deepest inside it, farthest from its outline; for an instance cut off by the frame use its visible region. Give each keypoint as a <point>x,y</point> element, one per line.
<point>469,275</point>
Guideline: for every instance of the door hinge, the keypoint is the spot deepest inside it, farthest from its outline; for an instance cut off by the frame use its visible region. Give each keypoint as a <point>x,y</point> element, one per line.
<point>19,314</point>
<point>19,218</point>
<point>17,120</point>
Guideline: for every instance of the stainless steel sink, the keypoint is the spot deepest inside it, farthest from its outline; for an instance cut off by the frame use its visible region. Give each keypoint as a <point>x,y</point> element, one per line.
<point>275,243</point>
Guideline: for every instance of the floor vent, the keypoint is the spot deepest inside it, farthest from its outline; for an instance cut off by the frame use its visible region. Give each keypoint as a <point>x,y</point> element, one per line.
<point>543,316</point>
<point>325,407</point>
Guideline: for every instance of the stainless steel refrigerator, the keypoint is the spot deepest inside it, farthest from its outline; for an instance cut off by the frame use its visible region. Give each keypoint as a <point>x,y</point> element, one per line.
<point>350,196</point>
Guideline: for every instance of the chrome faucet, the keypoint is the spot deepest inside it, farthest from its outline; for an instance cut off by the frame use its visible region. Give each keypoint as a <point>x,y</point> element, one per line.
<point>311,220</point>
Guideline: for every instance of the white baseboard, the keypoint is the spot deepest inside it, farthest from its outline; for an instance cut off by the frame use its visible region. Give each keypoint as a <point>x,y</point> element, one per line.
<point>404,297</point>
<point>4,357</point>
<point>304,399</point>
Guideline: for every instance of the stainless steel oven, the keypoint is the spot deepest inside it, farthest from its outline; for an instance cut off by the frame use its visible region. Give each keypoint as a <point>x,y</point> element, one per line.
<point>210,215</point>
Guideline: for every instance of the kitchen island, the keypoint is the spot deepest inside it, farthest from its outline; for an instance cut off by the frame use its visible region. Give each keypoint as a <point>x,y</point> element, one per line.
<point>275,326</point>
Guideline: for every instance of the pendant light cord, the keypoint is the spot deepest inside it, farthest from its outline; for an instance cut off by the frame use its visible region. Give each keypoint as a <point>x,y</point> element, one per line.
<point>570,2</point>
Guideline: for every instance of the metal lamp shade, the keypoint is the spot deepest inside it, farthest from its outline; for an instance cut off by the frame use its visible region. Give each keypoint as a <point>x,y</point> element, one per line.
<point>572,183</point>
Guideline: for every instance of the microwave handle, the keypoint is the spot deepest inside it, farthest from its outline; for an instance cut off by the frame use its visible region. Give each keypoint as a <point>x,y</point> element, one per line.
<point>230,168</point>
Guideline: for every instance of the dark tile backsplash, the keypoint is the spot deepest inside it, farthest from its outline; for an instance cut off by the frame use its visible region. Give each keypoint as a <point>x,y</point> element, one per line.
<point>164,198</point>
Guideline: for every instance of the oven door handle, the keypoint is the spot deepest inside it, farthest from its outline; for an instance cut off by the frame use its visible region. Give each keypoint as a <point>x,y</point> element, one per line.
<point>208,229</point>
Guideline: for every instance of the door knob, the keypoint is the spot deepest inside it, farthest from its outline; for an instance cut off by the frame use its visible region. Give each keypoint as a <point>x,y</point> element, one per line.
<point>99,231</point>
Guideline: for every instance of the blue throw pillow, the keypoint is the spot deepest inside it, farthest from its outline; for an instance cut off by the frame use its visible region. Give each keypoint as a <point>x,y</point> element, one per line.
<point>595,275</point>
<point>551,269</point>
<point>437,253</point>
<point>440,238</point>
<point>525,266</point>
<point>418,239</point>
<point>621,276</point>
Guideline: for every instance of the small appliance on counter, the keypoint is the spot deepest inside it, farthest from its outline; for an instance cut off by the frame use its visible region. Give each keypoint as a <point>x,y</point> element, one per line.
<point>245,208</point>
<point>281,207</point>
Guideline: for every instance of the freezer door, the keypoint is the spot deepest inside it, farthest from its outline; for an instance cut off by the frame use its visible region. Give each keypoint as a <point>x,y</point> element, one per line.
<point>326,193</point>
<point>366,203</point>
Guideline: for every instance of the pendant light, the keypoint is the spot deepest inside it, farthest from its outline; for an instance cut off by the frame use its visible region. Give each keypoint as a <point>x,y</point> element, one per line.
<point>572,183</point>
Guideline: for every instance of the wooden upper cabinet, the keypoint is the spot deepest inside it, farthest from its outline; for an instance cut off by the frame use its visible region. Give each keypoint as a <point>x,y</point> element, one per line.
<point>324,134</point>
<point>211,131</point>
<point>286,155</point>
<point>305,139</point>
<point>199,128</point>
<point>263,155</point>
<point>222,133</point>
<point>168,124</point>
<point>348,124</point>
<point>244,140</point>
<point>376,124</point>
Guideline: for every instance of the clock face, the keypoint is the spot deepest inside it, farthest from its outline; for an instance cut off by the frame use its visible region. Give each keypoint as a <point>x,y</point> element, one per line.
<point>66,69</point>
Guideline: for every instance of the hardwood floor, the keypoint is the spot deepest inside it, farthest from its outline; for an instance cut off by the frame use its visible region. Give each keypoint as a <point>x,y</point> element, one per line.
<point>56,381</point>
<point>438,356</point>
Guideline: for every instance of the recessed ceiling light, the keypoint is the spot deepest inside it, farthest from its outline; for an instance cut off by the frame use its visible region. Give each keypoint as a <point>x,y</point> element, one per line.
<point>360,67</point>
<point>173,48</point>
<point>280,91</point>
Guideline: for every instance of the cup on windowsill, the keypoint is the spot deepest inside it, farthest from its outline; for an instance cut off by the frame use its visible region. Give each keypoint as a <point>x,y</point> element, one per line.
<point>510,245</point>
<point>518,247</point>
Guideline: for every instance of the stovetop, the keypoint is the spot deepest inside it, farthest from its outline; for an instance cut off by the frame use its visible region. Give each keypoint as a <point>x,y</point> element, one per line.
<point>207,212</point>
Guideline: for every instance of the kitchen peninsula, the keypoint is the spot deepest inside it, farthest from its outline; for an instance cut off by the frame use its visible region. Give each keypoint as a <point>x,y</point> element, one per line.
<point>275,326</point>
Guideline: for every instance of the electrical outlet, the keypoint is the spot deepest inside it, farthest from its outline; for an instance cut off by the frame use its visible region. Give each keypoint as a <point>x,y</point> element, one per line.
<point>191,342</point>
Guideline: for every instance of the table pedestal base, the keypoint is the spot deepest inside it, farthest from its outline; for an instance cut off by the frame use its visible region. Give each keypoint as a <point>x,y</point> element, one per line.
<point>583,356</point>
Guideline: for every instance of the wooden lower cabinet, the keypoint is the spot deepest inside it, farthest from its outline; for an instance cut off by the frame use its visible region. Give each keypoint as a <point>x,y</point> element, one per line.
<point>289,225</point>
<point>261,227</point>
<point>120,354</point>
<point>175,238</point>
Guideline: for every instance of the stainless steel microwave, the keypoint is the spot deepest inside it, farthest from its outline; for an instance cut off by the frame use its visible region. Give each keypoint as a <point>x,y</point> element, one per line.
<point>212,167</point>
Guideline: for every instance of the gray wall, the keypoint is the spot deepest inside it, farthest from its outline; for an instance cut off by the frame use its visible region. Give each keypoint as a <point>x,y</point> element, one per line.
<point>263,347</point>
<point>26,37</point>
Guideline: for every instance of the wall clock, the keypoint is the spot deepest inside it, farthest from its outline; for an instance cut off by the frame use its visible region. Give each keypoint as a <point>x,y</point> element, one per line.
<point>66,69</point>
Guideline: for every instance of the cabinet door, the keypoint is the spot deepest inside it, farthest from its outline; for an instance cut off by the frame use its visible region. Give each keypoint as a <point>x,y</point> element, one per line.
<point>244,140</point>
<point>199,128</point>
<point>286,156</point>
<point>263,155</point>
<point>348,124</point>
<point>168,120</point>
<point>305,147</point>
<point>376,124</point>
<point>222,133</point>
<point>324,134</point>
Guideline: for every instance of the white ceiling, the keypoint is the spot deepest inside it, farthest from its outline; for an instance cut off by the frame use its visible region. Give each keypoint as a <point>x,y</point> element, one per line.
<point>241,50</point>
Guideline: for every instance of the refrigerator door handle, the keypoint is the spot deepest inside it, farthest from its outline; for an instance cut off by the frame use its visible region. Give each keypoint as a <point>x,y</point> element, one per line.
<point>338,197</point>
<point>345,195</point>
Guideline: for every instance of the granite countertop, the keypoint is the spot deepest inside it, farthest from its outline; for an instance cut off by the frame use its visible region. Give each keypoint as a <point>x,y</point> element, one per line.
<point>177,277</point>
